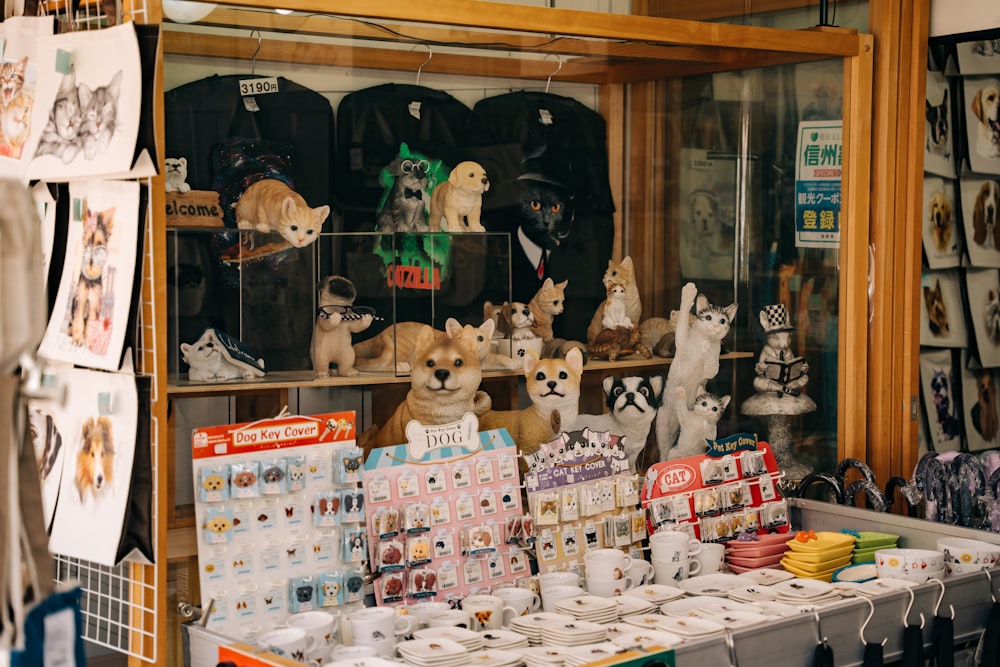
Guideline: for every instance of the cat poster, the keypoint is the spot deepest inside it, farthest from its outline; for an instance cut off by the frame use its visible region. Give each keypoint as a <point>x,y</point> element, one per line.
<point>19,37</point>
<point>982,122</point>
<point>707,214</point>
<point>90,316</point>
<point>941,229</point>
<point>981,412</point>
<point>983,289</point>
<point>88,104</point>
<point>942,318</point>
<point>99,428</point>
<point>980,205</point>
<point>941,400</point>
<point>939,126</point>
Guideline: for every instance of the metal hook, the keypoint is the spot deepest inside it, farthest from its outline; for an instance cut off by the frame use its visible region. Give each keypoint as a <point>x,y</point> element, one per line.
<point>430,56</point>
<point>253,58</point>
<point>989,578</point>
<point>937,605</point>
<point>864,626</point>
<point>819,631</point>
<point>548,82</point>
<point>906,614</point>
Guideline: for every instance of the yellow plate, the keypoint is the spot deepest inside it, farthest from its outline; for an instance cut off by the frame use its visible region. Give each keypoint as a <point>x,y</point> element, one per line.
<point>820,556</point>
<point>824,540</point>
<point>823,575</point>
<point>816,567</point>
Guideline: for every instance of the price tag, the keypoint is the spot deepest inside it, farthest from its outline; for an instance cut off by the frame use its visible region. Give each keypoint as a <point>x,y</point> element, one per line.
<point>260,86</point>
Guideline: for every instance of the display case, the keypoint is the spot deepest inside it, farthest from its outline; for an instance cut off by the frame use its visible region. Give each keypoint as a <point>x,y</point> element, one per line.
<point>688,107</point>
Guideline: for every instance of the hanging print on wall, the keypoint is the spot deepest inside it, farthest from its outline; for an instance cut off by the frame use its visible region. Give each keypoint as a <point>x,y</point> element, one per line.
<point>941,233</point>
<point>982,416</point>
<point>982,118</point>
<point>942,321</point>
<point>19,37</point>
<point>941,400</point>
<point>939,141</point>
<point>981,219</point>
<point>90,316</point>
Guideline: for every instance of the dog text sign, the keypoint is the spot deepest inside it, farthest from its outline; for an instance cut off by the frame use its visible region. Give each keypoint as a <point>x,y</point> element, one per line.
<point>422,439</point>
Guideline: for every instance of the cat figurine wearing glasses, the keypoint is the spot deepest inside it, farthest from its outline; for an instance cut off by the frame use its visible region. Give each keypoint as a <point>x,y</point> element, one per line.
<point>404,209</point>
<point>331,341</point>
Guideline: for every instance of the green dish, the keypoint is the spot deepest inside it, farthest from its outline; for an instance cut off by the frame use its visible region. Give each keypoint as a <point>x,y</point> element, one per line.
<point>872,540</point>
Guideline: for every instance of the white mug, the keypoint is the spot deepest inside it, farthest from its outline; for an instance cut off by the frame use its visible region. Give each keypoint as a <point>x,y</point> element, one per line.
<point>422,612</point>
<point>711,557</point>
<point>487,612</point>
<point>608,587</point>
<point>320,625</point>
<point>291,643</point>
<point>553,594</point>
<point>670,572</point>
<point>641,572</point>
<point>550,579</point>
<point>607,563</point>
<point>522,600</point>
<point>672,545</point>
<point>452,617</point>
<point>379,627</point>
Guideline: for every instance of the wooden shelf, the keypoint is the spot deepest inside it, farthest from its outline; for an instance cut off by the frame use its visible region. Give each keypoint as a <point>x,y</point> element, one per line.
<point>178,387</point>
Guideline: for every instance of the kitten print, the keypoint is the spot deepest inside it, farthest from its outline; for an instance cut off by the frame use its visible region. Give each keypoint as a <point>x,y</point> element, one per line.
<point>82,120</point>
<point>16,102</point>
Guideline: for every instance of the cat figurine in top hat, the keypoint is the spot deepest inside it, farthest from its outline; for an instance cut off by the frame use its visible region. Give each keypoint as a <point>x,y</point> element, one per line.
<point>778,369</point>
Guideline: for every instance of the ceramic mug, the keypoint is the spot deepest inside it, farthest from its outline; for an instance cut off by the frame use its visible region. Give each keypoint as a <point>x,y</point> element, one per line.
<point>550,579</point>
<point>379,627</point>
<point>553,594</point>
<point>487,612</point>
<point>642,572</point>
<point>289,642</point>
<point>672,545</point>
<point>607,563</point>
<point>609,587</point>
<point>452,617</point>
<point>669,572</point>
<point>711,556</point>
<point>422,612</point>
<point>320,625</point>
<point>522,600</point>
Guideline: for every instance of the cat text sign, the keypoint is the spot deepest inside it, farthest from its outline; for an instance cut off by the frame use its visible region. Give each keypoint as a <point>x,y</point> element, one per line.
<point>197,208</point>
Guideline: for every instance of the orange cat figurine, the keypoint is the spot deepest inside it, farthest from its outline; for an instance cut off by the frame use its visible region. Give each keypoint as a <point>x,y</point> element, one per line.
<point>269,205</point>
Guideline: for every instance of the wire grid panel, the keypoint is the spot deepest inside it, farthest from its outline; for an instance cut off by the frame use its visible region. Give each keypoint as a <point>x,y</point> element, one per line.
<point>90,14</point>
<point>120,604</point>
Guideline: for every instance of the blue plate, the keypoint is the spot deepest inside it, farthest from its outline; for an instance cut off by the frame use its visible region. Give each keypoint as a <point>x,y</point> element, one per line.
<point>857,573</point>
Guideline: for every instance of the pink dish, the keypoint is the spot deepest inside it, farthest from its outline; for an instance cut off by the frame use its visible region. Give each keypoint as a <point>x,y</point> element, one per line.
<point>743,570</point>
<point>759,551</point>
<point>754,562</point>
<point>762,540</point>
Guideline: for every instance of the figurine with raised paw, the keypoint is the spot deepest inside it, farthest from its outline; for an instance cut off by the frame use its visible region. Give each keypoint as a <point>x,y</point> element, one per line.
<point>336,320</point>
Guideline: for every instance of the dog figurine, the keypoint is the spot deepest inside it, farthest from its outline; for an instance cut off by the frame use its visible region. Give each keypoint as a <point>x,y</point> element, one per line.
<point>458,201</point>
<point>404,209</point>
<point>941,226</point>
<point>88,297</point>
<point>632,403</point>
<point>554,388</point>
<point>444,385</point>
<point>482,336</point>
<point>986,110</point>
<point>985,212</point>
<point>335,322</point>
<point>937,313</point>
<point>984,413</point>
<point>936,116</point>
<point>95,462</point>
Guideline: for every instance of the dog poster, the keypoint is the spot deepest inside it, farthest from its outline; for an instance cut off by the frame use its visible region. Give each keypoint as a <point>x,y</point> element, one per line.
<point>979,56</point>
<point>980,198</point>
<point>47,424</point>
<point>941,235</point>
<point>942,319</point>
<point>939,139</point>
<point>981,412</point>
<point>90,316</point>
<point>941,400</point>
<point>983,289</point>
<point>98,427</point>
<point>982,120</point>
<point>708,215</point>
<point>88,104</point>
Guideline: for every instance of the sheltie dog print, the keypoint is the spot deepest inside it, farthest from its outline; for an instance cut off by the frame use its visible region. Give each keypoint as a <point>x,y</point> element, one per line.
<point>95,462</point>
<point>88,296</point>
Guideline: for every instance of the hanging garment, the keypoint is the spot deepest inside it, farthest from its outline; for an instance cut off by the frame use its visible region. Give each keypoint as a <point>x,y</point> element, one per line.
<point>988,651</point>
<point>823,656</point>
<point>913,646</point>
<point>943,650</point>
<point>873,656</point>
<point>547,157</point>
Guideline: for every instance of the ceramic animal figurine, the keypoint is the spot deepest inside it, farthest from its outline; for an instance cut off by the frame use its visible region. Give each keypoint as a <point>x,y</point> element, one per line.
<point>335,322</point>
<point>696,360</point>
<point>176,174</point>
<point>269,205</point>
<point>615,314</point>
<point>216,356</point>
<point>618,342</point>
<point>698,423</point>
<point>778,369</point>
<point>457,203</point>
<point>632,403</point>
<point>405,204</point>
<point>622,273</point>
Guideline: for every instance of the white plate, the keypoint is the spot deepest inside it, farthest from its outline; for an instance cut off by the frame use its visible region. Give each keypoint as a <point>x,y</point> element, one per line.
<point>768,577</point>
<point>628,606</point>
<point>783,609</point>
<point>494,658</point>
<point>431,649</point>
<point>654,593</point>
<point>753,593</point>
<point>645,621</point>
<point>802,589</point>
<point>880,586</point>
<point>735,619</point>
<point>586,603</point>
<point>537,620</point>
<point>453,633</point>
<point>689,627</point>
<point>646,639</point>
<point>579,655</point>
<point>682,606</point>
<point>543,655</point>
<point>501,638</point>
<point>717,585</point>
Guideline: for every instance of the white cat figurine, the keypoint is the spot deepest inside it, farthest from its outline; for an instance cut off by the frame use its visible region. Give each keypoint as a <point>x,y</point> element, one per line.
<point>176,174</point>
<point>698,423</point>
<point>615,314</point>
<point>210,362</point>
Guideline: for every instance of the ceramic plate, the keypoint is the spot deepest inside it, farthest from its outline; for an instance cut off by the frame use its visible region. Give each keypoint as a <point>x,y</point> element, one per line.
<point>736,569</point>
<point>655,593</point>
<point>713,584</point>
<point>757,551</point>
<point>802,589</point>
<point>769,577</point>
<point>856,573</point>
<point>872,540</point>
<point>879,586</point>
<point>736,619</point>
<point>688,626</point>
<point>824,541</point>
<point>682,606</point>
<point>800,567</point>
<point>752,593</point>
<point>755,562</point>
<point>769,539</point>
<point>820,556</point>
<point>646,639</point>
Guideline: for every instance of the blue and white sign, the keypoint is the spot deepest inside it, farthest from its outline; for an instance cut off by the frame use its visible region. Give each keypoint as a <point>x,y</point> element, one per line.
<point>818,171</point>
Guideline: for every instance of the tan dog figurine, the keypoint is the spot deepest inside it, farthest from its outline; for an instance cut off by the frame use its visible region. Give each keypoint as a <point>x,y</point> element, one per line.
<point>335,322</point>
<point>554,388</point>
<point>459,200</point>
<point>444,385</point>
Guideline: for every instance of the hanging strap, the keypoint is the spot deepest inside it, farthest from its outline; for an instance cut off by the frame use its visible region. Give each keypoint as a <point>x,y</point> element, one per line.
<point>823,657</point>
<point>990,643</point>
<point>873,656</point>
<point>943,651</point>
<point>913,646</point>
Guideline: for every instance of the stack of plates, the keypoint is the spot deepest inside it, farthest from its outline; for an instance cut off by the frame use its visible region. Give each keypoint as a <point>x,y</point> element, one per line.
<point>768,577</point>
<point>589,608</point>
<point>764,552</point>
<point>584,655</point>
<point>471,640</point>
<point>654,593</point>
<point>492,657</point>
<point>433,653</point>
<point>755,593</point>
<point>531,626</point>
<point>801,591</point>
<point>504,640</point>
<point>880,586</point>
<point>630,606</point>
<point>718,584</point>
<point>646,639</point>
<point>645,621</point>
<point>869,542</point>
<point>820,556</point>
<point>543,656</point>
<point>572,633</point>
<point>690,627</point>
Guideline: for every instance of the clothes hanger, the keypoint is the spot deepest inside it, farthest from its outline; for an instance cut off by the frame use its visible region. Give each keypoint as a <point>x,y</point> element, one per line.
<point>253,58</point>
<point>548,82</point>
<point>430,56</point>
